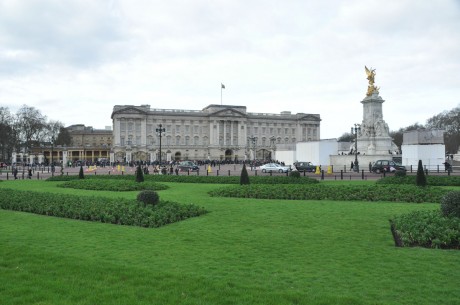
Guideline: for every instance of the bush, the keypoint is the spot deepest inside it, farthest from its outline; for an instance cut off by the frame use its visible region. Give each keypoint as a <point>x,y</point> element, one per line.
<point>81,175</point>
<point>421,179</point>
<point>427,229</point>
<point>400,173</point>
<point>139,174</point>
<point>265,179</point>
<point>148,197</point>
<point>107,210</point>
<point>450,204</point>
<point>431,180</point>
<point>112,185</point>
<point>244,178</point>
<point>294,174</point>
<point>402,193</point>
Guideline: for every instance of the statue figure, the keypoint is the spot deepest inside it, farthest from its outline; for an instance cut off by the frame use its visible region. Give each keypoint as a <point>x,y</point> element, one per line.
<point>371,77</point>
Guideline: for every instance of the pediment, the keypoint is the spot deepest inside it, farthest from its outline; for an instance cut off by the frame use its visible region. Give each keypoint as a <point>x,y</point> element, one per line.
<point>129,110</point>
<point>310,117</point>
<point>228,112</point>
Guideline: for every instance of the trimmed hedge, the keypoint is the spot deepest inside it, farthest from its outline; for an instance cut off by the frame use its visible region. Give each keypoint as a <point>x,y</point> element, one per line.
<point>197,179</point>
<point>403,193</point>
<point>431,180</point>
<point>107,210</point>
<point>450,204</point>
<point>112,185</point>
<point>426,229</point>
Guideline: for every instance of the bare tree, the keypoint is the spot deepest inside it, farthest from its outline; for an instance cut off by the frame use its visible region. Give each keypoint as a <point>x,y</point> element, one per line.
<point>397,136</point>
<point>30,124</point>
<point>51,131</point>
<point>7,134</point>
<point>346,137</point>
<point>450,122</point>
<point>64,137</point>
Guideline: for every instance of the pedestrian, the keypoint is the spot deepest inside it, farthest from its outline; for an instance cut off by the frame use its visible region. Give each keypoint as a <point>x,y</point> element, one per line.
<point>30,173</point>
<point>370,167</point>
<point>15,173</point>
<point>351,166</point>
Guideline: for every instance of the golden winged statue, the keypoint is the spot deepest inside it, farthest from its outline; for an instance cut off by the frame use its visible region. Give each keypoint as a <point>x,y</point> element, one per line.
<point>371,77</point>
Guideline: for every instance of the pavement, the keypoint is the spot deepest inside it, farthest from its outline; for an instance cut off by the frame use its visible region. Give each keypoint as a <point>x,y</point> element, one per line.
<point>218,170</point>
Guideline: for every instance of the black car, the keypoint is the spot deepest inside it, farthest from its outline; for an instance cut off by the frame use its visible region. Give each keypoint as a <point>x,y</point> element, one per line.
<point>305,166</point>
<point>188,166</point>
<point>388,166</point>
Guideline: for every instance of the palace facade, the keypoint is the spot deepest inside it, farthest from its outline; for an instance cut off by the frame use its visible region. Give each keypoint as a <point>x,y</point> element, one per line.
<point>216,132</point>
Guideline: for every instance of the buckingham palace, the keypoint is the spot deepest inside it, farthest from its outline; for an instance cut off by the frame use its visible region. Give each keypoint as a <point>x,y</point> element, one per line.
<point>216,132</point>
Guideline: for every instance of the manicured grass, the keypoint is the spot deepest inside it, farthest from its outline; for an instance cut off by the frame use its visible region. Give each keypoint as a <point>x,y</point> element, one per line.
<point>245,251</point>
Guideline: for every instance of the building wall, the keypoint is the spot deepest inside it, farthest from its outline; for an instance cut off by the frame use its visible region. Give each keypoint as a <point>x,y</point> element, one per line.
<point>432,156</point>
<point>215,132</point>
<point>317,152</point>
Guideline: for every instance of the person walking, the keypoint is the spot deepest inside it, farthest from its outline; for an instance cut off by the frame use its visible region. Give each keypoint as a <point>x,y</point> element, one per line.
<point>351,166</point>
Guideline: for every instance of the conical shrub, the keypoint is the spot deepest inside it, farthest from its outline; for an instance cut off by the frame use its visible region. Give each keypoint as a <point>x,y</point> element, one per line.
<point>244,178</point>
<point>81,175</point>
<point>421,178</point>
<point>139,174</point>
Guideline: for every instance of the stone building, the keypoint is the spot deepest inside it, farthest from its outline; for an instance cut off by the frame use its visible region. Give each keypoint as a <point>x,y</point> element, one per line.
<point>216,132</point>
<point>88,143</point>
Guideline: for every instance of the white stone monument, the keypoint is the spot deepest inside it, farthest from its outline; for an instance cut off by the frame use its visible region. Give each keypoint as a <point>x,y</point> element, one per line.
<point>374,137</point>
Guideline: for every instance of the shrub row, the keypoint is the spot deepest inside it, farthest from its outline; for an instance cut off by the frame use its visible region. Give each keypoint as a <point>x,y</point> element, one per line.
<point>426,229</point>
<point>430,180</point>
<point>107,210</point>
<point>402,193</point>
<point>198,179</point>
<point>112,185</point>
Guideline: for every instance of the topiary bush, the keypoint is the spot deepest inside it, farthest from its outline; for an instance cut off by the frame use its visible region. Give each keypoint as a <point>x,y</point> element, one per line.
<point>294,174</point>
<point>450,204</point>
<point>81,175</point>
<point>421,179</point>
<point>139,174</point>
<point>148,197</point>
<point>244,178</point>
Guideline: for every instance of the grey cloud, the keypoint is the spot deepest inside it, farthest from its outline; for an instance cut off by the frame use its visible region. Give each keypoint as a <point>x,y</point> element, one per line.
<point>60,32</point>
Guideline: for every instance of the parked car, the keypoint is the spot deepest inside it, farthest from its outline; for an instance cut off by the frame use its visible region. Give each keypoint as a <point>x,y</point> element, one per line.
<point>274,167</point>
<point>188,166</point>
<point>305,166</point>
<point>386,166</point>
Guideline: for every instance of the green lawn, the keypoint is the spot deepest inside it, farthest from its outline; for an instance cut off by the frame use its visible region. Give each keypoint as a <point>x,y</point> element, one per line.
<point>242,252</point>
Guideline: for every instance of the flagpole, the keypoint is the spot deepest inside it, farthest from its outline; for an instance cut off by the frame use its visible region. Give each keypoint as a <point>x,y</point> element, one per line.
<point>222,86</point>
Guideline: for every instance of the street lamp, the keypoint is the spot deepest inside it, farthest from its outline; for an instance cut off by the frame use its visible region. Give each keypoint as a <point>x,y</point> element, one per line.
<point>253,140</point>
<point>160,131</point>
<point>52,150</point>
<point>354,131</point>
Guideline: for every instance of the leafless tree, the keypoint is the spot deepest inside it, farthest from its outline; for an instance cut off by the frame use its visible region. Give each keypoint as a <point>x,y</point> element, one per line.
<point>30,123</point>
<point>7,134</point>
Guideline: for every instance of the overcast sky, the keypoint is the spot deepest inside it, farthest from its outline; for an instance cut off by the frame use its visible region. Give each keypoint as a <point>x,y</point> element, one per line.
<point>75,59</point>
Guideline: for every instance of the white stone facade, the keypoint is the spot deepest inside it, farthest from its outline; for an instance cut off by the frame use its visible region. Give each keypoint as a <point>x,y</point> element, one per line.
<point>214,133</point>
<point>374,137</point>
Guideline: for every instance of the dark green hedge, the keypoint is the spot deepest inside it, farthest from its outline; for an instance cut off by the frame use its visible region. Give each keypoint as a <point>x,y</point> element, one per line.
<point>402,193</point>
<point>107,210</point>
<point>427,229</point>
<point>430,179</point>
<point>112,185</point>
<point>197,179</point>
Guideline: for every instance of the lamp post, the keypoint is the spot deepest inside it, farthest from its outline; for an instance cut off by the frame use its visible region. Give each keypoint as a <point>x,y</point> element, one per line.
<point>160,130</point>
<point>354,131</point>
<point>253,140</point>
